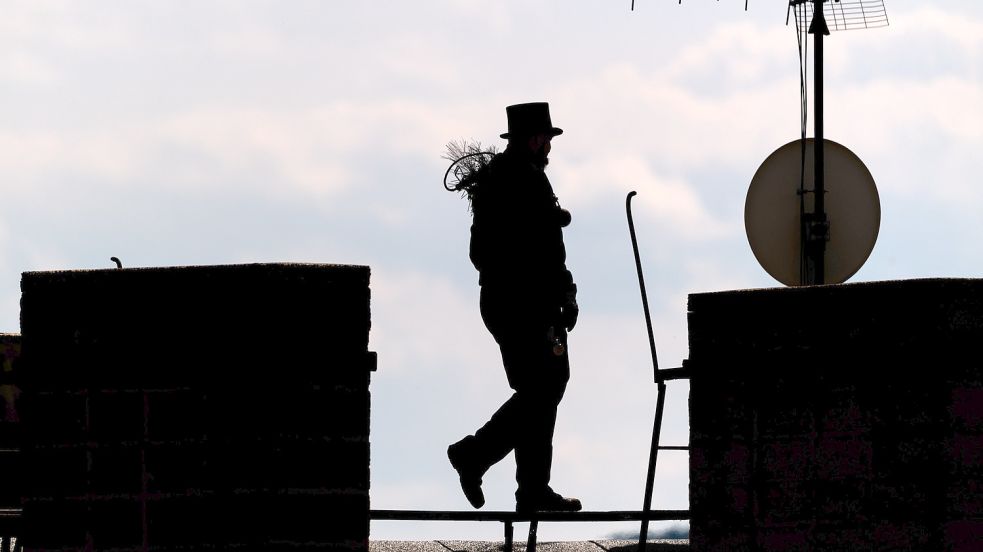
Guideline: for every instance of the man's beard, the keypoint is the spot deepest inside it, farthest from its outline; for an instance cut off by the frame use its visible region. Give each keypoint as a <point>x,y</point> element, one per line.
<point>540,158</point>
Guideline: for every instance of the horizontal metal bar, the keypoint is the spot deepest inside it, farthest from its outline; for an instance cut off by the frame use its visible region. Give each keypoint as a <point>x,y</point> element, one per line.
<point>10,522</point>
<point>668,374</point>
<point>673,447</point>
<point>505,516</point>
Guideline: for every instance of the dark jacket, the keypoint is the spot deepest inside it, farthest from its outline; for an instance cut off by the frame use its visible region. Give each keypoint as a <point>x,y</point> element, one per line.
<point>516,235</point>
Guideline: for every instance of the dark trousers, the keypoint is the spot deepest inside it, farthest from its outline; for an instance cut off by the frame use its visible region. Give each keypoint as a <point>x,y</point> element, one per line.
<point>521,326</point>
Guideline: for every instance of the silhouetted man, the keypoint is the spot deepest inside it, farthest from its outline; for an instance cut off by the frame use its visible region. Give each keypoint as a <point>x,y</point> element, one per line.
<point>528,303</point>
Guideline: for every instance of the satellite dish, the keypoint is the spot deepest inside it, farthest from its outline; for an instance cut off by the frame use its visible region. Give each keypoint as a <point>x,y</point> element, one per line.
<point>774,206</point>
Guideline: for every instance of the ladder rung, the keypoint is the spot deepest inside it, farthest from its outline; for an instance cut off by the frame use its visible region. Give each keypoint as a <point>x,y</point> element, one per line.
<point>667,374</point>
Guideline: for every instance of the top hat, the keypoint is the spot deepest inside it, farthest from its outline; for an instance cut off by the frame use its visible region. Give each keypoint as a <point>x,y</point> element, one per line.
<point>529,119</point>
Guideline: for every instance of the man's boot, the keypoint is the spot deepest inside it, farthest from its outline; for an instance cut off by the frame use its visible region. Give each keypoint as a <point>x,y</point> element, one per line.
<point>462,455</point>
<point>545,501</point>
<point>533,465</point>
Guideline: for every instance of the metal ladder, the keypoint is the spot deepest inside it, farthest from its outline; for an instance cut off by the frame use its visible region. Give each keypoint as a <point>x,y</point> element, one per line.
<point>661,377</point>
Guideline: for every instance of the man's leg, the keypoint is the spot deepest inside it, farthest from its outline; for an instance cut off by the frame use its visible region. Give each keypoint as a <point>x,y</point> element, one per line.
<point>496,439</point>
<point>534,448</point>
<point>473,455</point>
<point>524,423</point>
<point>492,442</point>
<point>539,388</point>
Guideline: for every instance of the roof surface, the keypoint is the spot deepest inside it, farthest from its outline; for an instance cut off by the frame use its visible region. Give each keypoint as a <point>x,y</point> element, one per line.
<point>520,546</point>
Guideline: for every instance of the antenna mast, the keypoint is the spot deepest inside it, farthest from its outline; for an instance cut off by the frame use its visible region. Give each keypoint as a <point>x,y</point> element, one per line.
<point>815,225</point>
<point>846,14</point>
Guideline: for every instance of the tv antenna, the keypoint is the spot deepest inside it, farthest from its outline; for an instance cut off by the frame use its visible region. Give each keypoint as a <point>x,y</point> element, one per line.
<point>812,226</point>
<point>857,222</point>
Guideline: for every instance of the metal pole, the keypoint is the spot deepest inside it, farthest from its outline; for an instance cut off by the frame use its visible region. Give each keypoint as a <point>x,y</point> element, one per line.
<point>819,229</point>
<point>660,402</point>
<point>531,541</point>
<point>508,536</point>
<point>653,459</point>
<point>641,285</point>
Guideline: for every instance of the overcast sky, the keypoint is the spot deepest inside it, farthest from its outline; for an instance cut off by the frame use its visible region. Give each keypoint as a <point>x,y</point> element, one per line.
<point>215,132</point>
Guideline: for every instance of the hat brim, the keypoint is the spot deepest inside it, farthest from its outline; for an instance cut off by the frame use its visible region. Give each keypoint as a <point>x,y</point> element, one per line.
<point>552,132</point>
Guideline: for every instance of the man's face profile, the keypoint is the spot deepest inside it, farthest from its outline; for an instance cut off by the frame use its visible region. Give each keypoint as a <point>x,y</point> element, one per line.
<point>540,146</point>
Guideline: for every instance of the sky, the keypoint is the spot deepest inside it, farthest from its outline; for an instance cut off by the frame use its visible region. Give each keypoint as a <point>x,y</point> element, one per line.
<point>216,132</point>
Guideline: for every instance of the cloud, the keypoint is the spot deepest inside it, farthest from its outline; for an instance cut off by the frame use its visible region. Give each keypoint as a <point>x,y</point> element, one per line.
<point>425,325</point>
<point>303,152</point>
<point>297,150</point>
<point>883,115</point>
<point>950,24</point>
<point>734,55</point>
<point>62,23</point>
<point>624,109</point>
<point>673,202</point>
<point>23,68</point>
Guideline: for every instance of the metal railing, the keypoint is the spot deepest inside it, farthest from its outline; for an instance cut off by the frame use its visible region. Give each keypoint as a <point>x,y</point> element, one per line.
<point>10,521</point>
<point>508,519</point>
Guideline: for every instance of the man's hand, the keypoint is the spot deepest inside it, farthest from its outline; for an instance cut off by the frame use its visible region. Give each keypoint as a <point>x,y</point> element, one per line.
<point>570,311</point>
